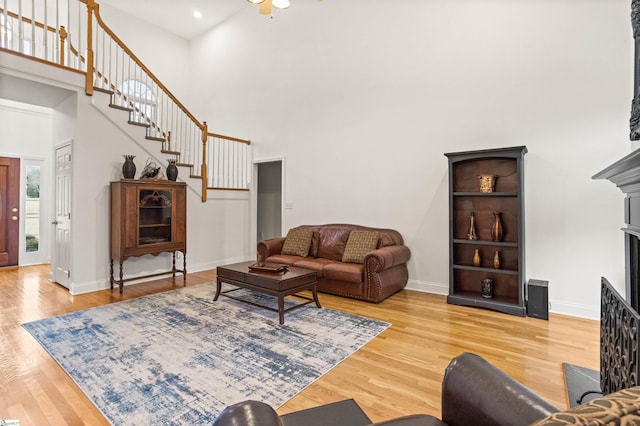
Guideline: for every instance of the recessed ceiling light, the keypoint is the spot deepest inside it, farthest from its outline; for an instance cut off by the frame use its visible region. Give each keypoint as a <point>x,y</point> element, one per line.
<point>197,14</point>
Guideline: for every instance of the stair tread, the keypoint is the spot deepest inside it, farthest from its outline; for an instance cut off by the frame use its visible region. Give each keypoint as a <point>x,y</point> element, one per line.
<point>227,189</point>
<point>137,123</point>
<point>184,164</point>
<point>107,91</point>
<point>123,108</point>
<point>155,138</point>
<point>165,151</point>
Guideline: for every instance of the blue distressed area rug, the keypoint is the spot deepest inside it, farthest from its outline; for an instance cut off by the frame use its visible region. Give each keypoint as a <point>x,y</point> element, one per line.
<point>179,358</point>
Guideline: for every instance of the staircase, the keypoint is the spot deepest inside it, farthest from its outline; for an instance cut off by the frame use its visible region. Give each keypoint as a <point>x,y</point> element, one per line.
<point>56,32</point>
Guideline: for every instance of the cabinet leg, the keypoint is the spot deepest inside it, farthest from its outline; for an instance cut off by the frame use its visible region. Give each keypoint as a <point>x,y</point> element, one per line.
<point>121,278</point>
<point>184,268</point>
<point>173,264</point>
<point>111,274</point>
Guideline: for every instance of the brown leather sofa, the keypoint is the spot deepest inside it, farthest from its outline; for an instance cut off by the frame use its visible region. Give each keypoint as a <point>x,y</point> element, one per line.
<point>381,273</point>
<point>475,393</point>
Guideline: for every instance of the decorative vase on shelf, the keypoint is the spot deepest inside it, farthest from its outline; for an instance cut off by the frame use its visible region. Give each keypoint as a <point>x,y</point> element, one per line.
<point>172,170</point>
<point>472,229</point>
<point>487,288</point>
<point>487,182</point>
<point>497,232</point>
<point>496,260</point>
<point>129,167</point>
<point>476,258</point>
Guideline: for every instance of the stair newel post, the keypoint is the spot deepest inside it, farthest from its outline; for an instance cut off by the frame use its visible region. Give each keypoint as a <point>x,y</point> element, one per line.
<point>203,167</point>
<point>63,36</point>
<point>88,88</point>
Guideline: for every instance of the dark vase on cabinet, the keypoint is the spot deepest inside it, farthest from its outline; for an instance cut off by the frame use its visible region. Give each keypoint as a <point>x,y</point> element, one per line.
<point>499,226</point>
<point>129,167</point>
<point>172,170</point>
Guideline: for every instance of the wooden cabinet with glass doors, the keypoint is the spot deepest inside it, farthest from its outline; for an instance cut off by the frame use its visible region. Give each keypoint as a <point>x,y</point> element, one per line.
<point>147,217</point>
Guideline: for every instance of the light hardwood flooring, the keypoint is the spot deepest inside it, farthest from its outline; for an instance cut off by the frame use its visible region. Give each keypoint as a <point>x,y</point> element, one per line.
<point>398,373</point>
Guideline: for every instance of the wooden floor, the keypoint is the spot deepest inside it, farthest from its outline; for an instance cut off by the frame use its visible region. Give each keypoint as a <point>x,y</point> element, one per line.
<point>398,373</point>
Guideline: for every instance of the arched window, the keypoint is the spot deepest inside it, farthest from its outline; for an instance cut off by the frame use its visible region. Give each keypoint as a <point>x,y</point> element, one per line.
<point>142,99</point>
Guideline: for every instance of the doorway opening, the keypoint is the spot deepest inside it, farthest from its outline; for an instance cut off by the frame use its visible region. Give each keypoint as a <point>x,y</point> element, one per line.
<point>269,199</point>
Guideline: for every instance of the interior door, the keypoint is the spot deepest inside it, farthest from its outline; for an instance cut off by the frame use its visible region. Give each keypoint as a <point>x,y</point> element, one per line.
<point>9,210</point>
<point>61,256</point>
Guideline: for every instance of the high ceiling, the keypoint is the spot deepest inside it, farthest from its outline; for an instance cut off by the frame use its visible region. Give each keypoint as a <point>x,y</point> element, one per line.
<point>177,17</point>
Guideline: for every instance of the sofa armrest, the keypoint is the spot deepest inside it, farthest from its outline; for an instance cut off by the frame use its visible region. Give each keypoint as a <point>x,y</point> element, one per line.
<point>475,393</point>
<point>269,247</point>
<point>387,257</point>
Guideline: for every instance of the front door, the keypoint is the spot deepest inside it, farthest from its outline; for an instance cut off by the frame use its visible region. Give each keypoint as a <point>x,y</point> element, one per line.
<point>9,210</point>
<point>61,256</point>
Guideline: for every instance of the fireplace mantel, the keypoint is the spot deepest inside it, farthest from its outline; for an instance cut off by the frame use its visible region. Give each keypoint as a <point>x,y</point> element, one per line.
<point>625,174</point>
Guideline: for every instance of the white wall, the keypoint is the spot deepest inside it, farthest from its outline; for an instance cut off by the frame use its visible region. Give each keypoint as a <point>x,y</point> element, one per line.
<point>25,130</point>
<point>363,98</point>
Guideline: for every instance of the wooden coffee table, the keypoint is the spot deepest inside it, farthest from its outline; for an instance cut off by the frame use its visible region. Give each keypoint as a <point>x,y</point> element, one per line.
<point>280,284</point>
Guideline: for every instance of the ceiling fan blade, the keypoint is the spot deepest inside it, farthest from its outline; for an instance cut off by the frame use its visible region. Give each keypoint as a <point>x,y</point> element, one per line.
<point>265,7</point>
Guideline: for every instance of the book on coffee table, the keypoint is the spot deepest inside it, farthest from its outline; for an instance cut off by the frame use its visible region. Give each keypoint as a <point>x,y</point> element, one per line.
<point>268,267</point>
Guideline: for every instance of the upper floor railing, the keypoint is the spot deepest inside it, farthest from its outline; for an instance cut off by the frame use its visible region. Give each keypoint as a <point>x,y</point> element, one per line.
<point>71,33</point>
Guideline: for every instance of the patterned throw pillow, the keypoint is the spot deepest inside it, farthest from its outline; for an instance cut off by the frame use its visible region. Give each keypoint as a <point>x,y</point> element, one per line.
<point>618,408</point>
<point>297,242</point>
<point>359,244</point>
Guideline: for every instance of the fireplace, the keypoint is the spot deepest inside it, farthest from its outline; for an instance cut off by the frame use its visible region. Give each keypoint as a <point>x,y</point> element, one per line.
<point>619,316</point>
<point>619,324</point>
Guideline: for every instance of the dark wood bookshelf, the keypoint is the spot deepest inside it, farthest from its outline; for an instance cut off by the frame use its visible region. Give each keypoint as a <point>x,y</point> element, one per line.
<point>507,198</point>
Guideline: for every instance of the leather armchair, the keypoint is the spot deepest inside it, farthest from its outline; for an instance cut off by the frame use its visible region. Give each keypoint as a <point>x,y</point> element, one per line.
<point>474,393</point>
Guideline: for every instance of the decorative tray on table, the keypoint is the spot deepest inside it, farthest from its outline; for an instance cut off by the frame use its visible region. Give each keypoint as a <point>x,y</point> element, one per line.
<point>267,267</point>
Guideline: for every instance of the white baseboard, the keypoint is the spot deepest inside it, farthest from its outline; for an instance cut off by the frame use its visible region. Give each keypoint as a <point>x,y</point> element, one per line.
<point>428,287</point>
<point>556,307</point>
<point>91,286</point>
<point>575,310</point>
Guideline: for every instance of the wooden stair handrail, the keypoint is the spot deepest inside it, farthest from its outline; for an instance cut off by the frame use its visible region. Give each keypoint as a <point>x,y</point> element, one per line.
<point>229,138</point>
<point>138,61</point>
